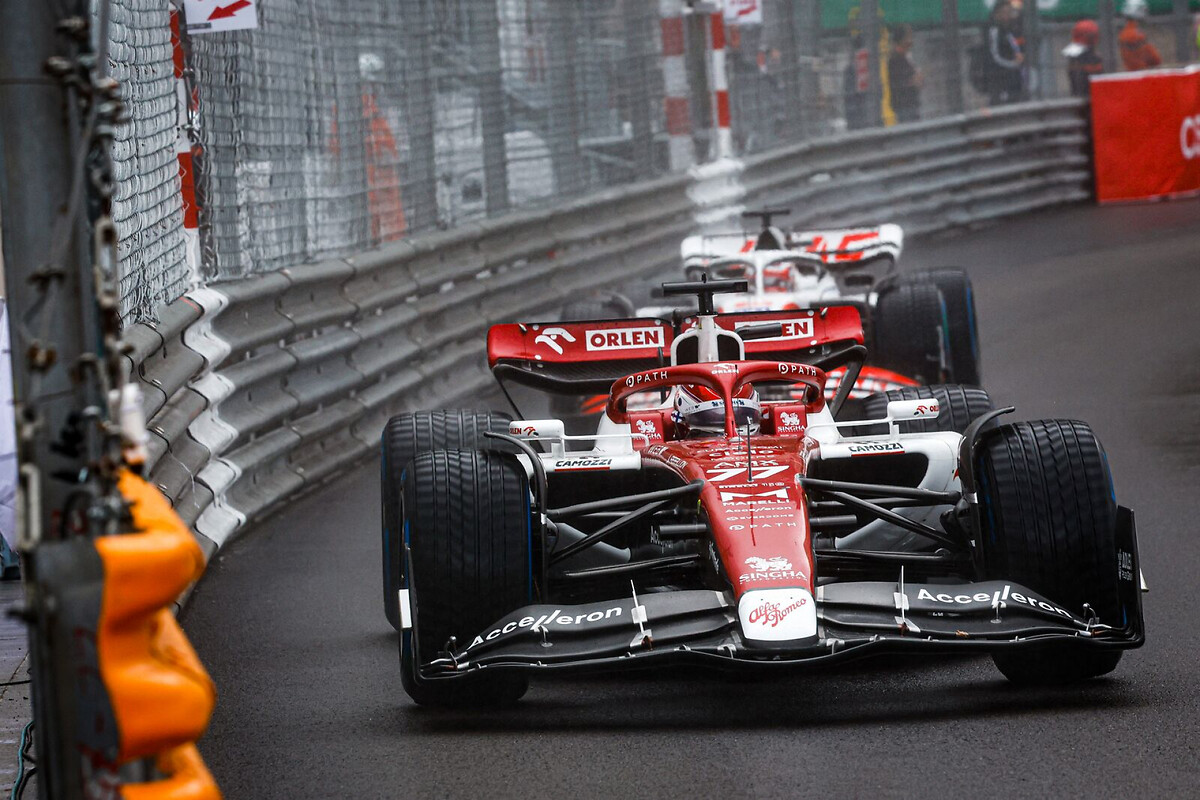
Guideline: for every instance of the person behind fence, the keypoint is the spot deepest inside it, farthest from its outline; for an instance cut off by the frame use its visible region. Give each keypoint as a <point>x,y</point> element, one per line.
<point>1082,59</point>
<point>854,84</point>
<point>904,79</point>
<point>1004,62</point>
<point>1137,52</point>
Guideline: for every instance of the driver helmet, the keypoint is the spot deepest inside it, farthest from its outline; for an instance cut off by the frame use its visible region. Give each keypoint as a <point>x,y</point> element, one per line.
<point>701,410</point>
<point>777,278</point>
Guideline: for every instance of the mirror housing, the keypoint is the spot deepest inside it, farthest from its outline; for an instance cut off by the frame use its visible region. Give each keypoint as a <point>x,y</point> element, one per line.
<point>922,408</point>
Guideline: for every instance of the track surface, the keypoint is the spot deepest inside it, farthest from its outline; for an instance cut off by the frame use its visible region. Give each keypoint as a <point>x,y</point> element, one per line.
<point>1088,313</point>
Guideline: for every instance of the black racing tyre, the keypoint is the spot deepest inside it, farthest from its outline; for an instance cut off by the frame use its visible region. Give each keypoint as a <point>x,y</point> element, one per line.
<point>955,286</point>
<point>469,529</point>
<point>404,437</point>
<point>909,330</point>
<point>960,406</point>
<point>1048,520</point>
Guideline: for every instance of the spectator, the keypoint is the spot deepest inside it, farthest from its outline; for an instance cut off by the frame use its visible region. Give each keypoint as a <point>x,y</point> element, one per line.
<point>1005,83</point>
<point>1136,51</point>
<point>904,79</point>
<point>1082,59</point>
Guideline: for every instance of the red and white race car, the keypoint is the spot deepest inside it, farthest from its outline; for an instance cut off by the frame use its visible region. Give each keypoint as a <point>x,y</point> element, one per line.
<point>922,325</point>
<point>717,529</point>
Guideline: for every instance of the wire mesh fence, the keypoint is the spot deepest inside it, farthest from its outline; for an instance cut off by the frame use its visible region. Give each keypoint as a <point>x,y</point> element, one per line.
<point>146,207</point>
<point>339,125</point>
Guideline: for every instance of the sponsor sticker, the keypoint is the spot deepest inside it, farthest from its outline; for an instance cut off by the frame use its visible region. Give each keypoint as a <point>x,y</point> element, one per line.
<point>772,497</point>
<point>646,377</point>
<point>624,338</point>
<point>875,449</point>
<point>994,599</point>
<point>582,464</point>
<point>798,369</point>
<point>777,615</point>
<point>776,568</point>
<point>792,329</point>
<point>555,618</point>
<point>550,337</point>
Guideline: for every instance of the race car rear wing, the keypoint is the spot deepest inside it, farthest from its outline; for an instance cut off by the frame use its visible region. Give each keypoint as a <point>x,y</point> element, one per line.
<point>842,247</point>
<point>586,357</point>
<point>850,247</point>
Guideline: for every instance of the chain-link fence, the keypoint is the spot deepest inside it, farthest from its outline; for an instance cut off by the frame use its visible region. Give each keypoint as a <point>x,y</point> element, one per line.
<point>146,205</point>
<point>339,125</point>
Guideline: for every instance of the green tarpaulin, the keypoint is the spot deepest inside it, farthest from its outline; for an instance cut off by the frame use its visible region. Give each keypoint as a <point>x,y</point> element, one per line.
<point>835,14</point>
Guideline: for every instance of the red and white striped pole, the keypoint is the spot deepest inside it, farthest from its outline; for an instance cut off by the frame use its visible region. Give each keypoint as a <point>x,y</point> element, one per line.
<point>675,84</point>
<point>184,102</point>
<point>720,84</point>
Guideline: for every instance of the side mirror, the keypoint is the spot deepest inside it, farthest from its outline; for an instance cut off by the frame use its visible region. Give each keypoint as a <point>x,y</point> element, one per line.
<point>898,410</point>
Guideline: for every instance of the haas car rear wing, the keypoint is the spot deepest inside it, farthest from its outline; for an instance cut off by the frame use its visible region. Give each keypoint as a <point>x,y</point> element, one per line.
<point>848,247</point>
<point>841,247</point>
<point>586,357</point>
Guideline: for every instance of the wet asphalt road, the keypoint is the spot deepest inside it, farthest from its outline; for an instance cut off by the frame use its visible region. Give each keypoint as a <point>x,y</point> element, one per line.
<point>1087,313</point>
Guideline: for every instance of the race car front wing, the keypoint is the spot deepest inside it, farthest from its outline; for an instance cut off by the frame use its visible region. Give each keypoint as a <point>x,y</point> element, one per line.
<point>856,619</point>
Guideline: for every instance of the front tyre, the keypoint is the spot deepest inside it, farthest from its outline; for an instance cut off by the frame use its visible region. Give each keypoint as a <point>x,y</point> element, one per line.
<point>405,436</point>
<point>468,529</point>
<point>1048,520</point>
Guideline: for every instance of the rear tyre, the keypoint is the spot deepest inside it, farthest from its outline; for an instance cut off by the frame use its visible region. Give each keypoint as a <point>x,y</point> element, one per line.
<point>468,529</point>
<point>960,406</point>
<point>1048,520</point>
<point>404,437</point>
<point>955,286</point>
<point>910,330</point>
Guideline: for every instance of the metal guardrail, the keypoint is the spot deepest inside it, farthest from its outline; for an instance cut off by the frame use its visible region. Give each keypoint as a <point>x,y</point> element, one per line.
<point>258,389</point>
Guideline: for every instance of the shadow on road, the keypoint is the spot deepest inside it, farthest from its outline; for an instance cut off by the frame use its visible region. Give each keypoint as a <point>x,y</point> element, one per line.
<point>863,694</point>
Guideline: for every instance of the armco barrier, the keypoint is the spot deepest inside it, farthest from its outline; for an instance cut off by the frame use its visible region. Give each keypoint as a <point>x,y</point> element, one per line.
<point>258,389</point>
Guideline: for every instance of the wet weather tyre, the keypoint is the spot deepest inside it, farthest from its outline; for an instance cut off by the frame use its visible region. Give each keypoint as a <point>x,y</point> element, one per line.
<point>1048,521</point>
<point>468,529</point>
<point>909,330</point>
<point>963,336</point>
<point>404,436</point>
<point>960,406</point>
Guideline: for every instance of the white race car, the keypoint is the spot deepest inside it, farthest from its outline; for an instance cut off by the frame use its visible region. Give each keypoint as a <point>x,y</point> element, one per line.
<point>920,327</point>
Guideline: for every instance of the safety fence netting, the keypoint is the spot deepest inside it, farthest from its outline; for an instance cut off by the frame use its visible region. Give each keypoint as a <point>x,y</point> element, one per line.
<point>336,126</point>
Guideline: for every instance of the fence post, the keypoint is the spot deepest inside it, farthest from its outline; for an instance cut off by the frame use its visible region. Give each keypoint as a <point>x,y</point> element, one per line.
<point>485,46</point>
<point>46,257</point>
<point>638,21</point>
<point>1109,30</point>
<point>563,113</point>
<point>676,106</point>
<point>1183,30</point>
<point>869,21</point>
<point>952,55</point>
<point>1033,50</point>
<point>719,81</point>
<point>421,192</point>
<point>806,24</point>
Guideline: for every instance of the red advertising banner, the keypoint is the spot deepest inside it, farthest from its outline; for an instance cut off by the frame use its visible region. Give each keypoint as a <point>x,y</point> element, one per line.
<point>1146,131</point>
